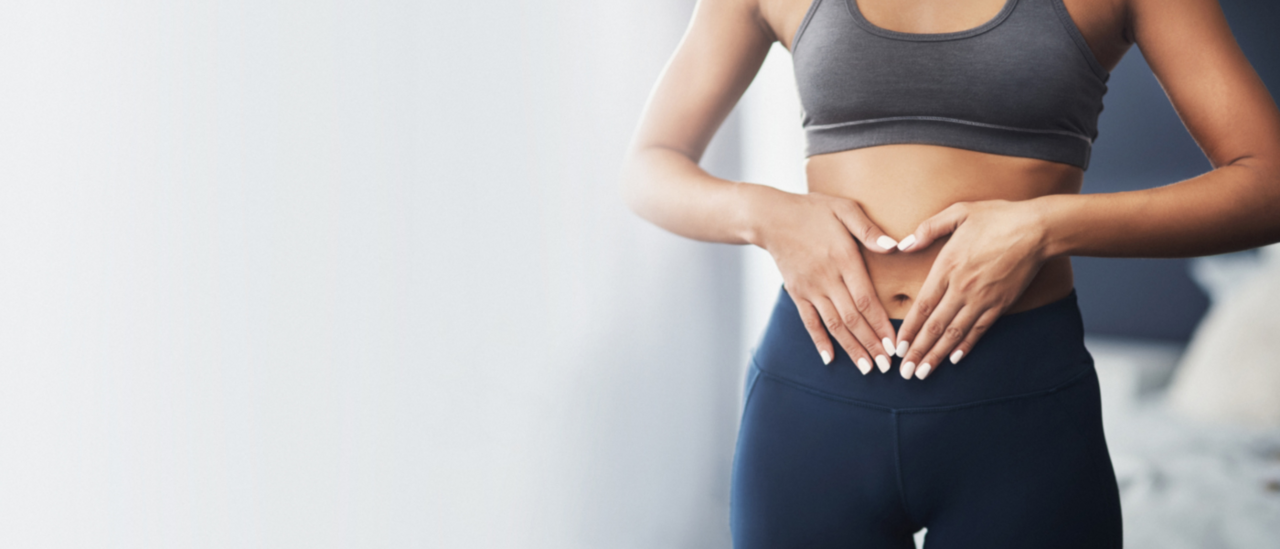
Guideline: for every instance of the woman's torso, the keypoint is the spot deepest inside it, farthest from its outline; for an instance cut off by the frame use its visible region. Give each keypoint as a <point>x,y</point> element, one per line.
<point>901,185</point>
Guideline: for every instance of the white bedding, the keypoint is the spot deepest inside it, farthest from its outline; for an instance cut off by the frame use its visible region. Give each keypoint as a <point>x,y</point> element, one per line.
<point>1182,484</point>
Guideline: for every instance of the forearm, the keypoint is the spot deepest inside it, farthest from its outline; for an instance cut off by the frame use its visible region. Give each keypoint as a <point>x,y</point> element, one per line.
<point>1231,208</point>
<point>670,190</point>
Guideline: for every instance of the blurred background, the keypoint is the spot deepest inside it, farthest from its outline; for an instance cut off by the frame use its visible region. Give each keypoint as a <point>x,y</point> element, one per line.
<point>351,274</point>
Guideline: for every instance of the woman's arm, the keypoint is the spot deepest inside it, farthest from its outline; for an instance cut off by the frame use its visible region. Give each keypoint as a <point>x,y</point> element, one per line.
<point>997,247</point>
<point>716,60</point>
<point>811,236</point>
<point>1228,111</point>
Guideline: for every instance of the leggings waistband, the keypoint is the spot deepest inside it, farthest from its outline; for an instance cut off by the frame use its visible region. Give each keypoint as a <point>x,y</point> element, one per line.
<point>1023,353</point>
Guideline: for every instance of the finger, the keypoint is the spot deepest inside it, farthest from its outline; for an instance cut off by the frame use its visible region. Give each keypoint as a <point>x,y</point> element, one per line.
<point>941,224</point>
<point>954,334</point>
<point>860,226</point>
<point>836,327</point>
<point>978,330</point>
<point>875,319</point>
<point>813,324</point>
<point>865,335</point>
<point>874,332</point>
<point>934,328</point>
<point>935,286</point>
<point>861,331</point>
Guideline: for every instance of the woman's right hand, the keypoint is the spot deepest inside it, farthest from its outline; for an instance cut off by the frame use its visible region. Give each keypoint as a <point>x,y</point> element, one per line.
<point>814,240</point>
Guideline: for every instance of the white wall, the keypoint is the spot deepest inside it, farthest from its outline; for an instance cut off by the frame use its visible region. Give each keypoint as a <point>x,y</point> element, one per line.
<point>350,274</point>
<point>772,154</point>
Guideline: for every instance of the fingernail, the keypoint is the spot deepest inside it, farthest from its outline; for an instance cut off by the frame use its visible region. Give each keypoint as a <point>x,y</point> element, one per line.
<point>886,242</point>
<point>826,357</point>
<point>902,348</point>
<point>883,362</point>
<point>888,345</point>
<point>924,370</point>
<point>956,356</point>
<point>908,368</point>
<point>864,365</point>
<point>907,242</point>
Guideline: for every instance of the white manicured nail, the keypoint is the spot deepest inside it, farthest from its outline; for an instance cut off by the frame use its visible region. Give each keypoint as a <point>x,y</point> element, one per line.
<point>826,357</point>
<point>908,368</point>
<point>924,370</point>
<point>907,242</point>
<point>886,242</point>
<point>888,345</point>
<point>883,362</point>
<point>902,348</point>
<point>956,356</point>
<point>864,365</point>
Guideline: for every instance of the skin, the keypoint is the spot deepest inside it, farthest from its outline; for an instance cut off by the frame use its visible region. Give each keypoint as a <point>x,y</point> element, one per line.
<point>992,234</point>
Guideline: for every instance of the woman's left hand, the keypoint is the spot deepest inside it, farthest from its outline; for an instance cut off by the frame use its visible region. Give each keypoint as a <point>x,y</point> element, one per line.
<point>996,248</point>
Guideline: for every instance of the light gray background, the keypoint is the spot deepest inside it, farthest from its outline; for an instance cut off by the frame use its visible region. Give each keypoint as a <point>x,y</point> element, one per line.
<point>349,274</point>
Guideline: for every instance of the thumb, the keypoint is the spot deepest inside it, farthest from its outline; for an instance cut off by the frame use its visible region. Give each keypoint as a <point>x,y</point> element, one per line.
<point>861,227</point>
<point>941,224</point>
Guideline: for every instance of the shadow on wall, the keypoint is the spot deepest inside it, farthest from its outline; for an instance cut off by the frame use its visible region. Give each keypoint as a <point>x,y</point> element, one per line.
<point>1142,144</point>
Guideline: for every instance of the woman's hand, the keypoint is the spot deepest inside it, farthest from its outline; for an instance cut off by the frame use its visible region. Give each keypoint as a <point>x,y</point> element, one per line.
<point>996,248</point>
<point>812,239</point>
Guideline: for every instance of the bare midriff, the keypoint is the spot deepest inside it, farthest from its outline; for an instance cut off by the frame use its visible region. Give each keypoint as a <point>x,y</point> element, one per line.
<point>899,186</point>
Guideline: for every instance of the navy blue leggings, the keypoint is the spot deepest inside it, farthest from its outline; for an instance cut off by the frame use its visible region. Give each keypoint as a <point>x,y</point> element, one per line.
<point>1004,450</point>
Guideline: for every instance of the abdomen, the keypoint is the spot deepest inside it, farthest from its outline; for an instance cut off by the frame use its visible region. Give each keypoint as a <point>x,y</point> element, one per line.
<point>900,186</point>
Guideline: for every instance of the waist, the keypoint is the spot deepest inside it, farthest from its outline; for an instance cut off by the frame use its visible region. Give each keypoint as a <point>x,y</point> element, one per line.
<point>900,186</point>
<point>1023,353</point>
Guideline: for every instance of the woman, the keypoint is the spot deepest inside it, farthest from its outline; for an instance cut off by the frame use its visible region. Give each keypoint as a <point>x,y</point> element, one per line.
<point>947,142</point>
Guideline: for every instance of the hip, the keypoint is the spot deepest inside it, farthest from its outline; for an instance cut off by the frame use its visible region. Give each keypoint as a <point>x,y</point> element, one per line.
<point>1024,353</point>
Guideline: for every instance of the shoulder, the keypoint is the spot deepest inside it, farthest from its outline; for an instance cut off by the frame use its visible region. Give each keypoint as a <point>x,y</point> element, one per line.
<point>745,15</point>
<point>1157,18</point>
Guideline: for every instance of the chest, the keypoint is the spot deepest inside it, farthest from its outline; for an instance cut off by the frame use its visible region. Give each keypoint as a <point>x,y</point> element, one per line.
<point>1102,23</point>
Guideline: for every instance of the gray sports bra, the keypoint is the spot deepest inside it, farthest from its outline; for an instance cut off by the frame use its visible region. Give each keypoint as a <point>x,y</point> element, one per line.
<point>1022,84</point>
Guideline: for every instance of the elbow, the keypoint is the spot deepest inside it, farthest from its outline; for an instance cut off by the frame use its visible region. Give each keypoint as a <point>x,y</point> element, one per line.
<point>1266,176</point>
<point>1263,194</point>
<point>635,182</point>
<point>630,184</point>
<point>633,197</point>
<point>1269,176</point>
<point>1264,170</point>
